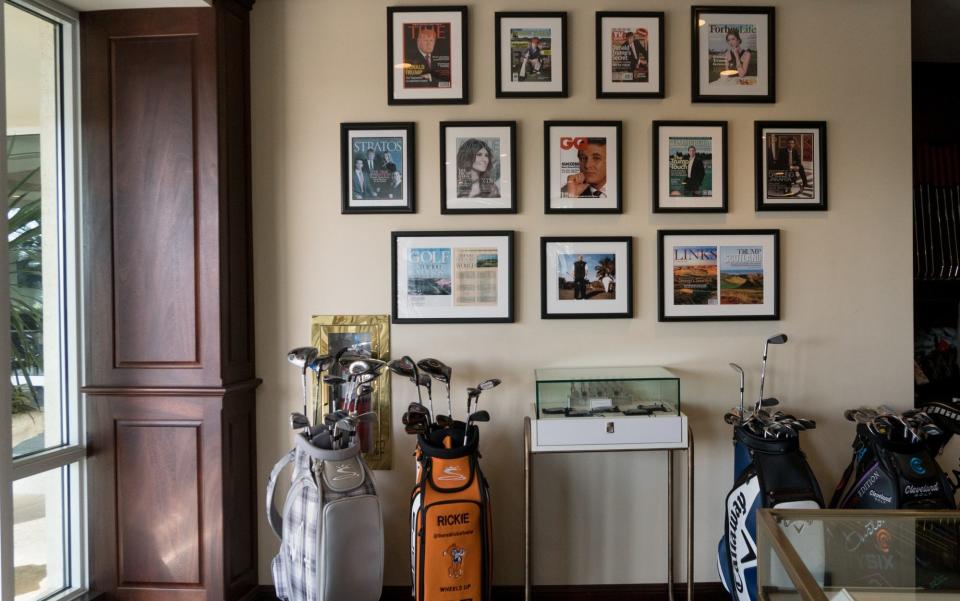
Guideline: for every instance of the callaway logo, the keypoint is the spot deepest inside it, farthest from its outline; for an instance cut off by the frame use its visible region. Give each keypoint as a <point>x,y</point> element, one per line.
<point>451,472</point>
<point>916,464</point>
<point>345,471</point>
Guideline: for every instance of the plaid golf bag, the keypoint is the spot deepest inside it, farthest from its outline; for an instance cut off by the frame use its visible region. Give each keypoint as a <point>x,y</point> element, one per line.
<point>330,527</point>
<point>450,520</point>
<point>767,473</point>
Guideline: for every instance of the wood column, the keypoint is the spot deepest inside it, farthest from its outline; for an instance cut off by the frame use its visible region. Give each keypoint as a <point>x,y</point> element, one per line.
<point>168,294</point>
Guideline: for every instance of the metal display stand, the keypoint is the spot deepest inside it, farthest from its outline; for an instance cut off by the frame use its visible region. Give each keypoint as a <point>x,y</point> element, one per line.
<point>528,453</point>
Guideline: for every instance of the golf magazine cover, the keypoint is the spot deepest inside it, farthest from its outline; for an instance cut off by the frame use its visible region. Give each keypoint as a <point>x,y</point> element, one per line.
<point>466,276</point>
<point>699,272</point>
<point>530,54</point>
<point>683,180</point>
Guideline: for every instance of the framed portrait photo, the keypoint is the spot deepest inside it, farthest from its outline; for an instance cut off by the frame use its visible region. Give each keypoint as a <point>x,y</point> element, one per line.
<point>478,167</point>
<point>530,54</point>
<point>376,163</point>
<point>427,55</point>
<point>718,275</point>
<point>370,334</point>
<point>689,166</point>
<point>791,170</point>
<point>630,60</point>
<point>582,166</point>
<point>586,277</point>
<point>733,54</point>
<point>452,277</point>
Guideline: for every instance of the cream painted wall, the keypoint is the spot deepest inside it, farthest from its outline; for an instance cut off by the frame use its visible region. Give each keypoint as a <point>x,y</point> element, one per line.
<point>846,273</point>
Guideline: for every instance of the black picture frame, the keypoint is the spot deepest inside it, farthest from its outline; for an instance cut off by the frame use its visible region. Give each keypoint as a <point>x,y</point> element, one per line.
<point>511,259</point>
<point>548,175</point>
<point>698,13</point>
<point>657,197</point>
<point>660,91</point>
<point>393,61</point>
<point>445,208</point>
<point>346,167</point>
<point>544,274</point>
<point>773,234</point>
<point>501,90</point>
<point>762,157</point>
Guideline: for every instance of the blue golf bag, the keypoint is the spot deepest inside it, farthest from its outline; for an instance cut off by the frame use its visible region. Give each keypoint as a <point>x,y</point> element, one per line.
<point>769,473</point>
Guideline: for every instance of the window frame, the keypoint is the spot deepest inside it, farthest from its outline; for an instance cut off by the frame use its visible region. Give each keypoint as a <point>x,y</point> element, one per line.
<point>72,452</point>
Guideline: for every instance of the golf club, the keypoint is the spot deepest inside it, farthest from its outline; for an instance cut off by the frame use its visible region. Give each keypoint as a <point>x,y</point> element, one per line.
<point>777,339</point>
<point>739,369</point>
<point>439,371</point>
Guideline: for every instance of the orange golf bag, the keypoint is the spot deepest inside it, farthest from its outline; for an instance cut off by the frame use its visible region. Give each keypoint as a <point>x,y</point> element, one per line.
<point>450,520</point>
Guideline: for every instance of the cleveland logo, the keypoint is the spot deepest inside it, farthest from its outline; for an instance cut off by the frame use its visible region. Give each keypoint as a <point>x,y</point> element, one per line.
<point>456,555</point>
<point>451,472</point>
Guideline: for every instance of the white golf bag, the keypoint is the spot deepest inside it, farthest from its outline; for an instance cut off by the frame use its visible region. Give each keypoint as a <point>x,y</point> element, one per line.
<point>770,473</point>
<point>330,527</point>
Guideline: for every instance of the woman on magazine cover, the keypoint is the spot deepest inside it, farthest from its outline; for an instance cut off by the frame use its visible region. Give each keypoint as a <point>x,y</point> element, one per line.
<point>738,58</point>
<point>475,169</point>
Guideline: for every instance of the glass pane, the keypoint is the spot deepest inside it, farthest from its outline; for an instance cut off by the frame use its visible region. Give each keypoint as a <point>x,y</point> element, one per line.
<point>33,158</point>
<point>40,510</point>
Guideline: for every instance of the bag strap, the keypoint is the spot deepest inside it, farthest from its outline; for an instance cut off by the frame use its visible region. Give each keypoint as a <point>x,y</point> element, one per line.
<point>842,485</point>
<point>273,516</point>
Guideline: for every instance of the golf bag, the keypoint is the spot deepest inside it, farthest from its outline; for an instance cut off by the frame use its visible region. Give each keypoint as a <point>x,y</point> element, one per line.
<point>767,473</point>
<point>330,527</point>
<point>891,474</point>
<point>450,520</point>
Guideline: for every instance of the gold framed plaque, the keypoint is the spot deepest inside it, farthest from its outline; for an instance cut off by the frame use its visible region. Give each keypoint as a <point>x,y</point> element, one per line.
<point>331,333</point>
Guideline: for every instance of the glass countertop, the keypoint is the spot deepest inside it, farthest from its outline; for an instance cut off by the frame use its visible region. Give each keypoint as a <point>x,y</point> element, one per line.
<point>576,374</point>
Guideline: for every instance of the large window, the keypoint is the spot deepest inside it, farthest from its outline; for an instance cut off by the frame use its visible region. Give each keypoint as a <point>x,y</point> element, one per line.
<point>41,547</point>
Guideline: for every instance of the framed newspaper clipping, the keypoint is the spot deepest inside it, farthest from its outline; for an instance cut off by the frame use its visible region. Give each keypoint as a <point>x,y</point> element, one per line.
<point>452,277</point>
<point>586,277</point>
<point>582,166</point>
<point>791,158</point>
<point>478,167</point>
<point>689,166</point>
<point>427,55</point>
<point>376,168</point>
<point>733,54</point>
<point>718,275</point>
<point>630,60</point>
<point>530,54</point>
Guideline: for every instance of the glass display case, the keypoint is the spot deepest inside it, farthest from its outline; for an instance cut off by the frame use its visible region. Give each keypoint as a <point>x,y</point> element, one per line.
<point>858,555</point>
<point>612,407</point>
<point>600,391</point>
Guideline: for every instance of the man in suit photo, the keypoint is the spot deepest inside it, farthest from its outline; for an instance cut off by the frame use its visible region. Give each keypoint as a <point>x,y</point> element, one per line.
<point>362,186</point>
<point>789,160</point>
<point>591,181</point>
<point>637,55</point>
<point>423,58</point>
<point>695,173</point>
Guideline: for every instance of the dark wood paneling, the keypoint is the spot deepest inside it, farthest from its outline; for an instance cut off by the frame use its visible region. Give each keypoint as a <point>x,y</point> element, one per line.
<point>158,503</point>
<point>237,234</point>
<point>154,201</point>
<point>240,491</point>
<point>151,212</point>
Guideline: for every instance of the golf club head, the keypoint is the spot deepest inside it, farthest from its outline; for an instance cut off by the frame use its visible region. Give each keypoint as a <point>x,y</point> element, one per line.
<point>302,356</point>
<point>299,421</point>
<point>731,419</point>
<point>333,380</point>
<point>777,339</point>
<point>321,363</point>
<point>436,368</point>
<point>445,421</point>
<point>479,416</point>
<point>737,369</point>
<point>769,402</point>
<point>488,384</point>
<point>401,368</point>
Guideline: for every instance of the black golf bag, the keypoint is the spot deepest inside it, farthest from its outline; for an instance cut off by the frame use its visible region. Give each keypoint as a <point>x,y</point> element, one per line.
<point>768,473</point>
<point>895,474</point>
<point>947,416</point>
<point>451,529</point>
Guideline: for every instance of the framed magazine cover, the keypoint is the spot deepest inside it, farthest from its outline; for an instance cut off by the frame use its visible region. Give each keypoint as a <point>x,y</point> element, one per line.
<point>377,167</point>
<point>630,57</point>
<point>733,54</point>
<point>478,167</point>
<point>689,167</point>
<point>791,165</point>
<point>427,55</point>
<point>530,54</point>
<point>582,166</point>
<point>452,277</point>
<point>718,275</point>
<point>586,277</point>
